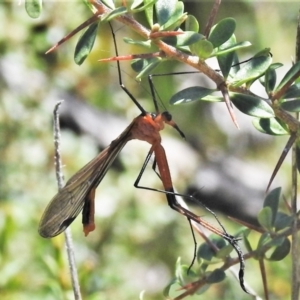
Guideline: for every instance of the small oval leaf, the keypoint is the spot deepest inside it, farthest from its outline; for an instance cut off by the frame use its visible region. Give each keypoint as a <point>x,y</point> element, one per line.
<point>288,76</point>
<point>224,251</point>
<point>85,44</point>
<point>167,289</point>
<point>270,79</point>
<point>281,251</point>
<point>188,38</point>
<point>190,94</point>
<point>282,221</point>
<point>226,60</point>
<point>265,218</point>
<point>264,238</point>
<point>203,49</point>
<point>184,39</point>
<point>114,13</point>
<point>164,10</point>
<point>146,44</point>
<point>269,126</point>
<point>222,31</point>
<point>237,46</point>
<point>292,105</point>
<point>205,252</point>
<point>33,8</point>
<point>145,66</point>
<point>293,92</point>
<point>211,98</point>
<point>176,19</point>
<point>215,276</point>
<point>149,13</point>
<point>272,201</point>
<point>191,24</point>
<point>252,69</point>
<point>148,5</point>
<point>252,106</point>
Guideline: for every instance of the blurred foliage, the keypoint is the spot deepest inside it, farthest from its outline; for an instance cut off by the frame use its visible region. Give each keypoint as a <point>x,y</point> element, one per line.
<point>137,240</point>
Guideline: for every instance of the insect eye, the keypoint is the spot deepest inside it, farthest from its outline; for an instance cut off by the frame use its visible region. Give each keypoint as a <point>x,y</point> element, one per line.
<point>167,115</point>
<point>153,115</point>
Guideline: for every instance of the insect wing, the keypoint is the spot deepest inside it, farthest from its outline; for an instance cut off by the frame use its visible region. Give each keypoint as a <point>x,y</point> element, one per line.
<point>69,201</point>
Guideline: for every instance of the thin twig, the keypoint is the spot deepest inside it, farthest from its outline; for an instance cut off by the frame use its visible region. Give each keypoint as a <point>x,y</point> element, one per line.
<point>295,238</point>
<point>212,16</point>
<point>264,277</point>
<point>60,183</point>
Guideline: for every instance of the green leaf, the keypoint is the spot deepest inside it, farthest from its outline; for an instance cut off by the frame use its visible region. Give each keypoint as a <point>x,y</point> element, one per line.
<point>184,39</point>
<point>222,31</point>
<point>146,44</point>
<point>269,126</point>
<point>272,201</point>
<point>226,60</point>
<point>135,4</point>
<point>292,105</point>
<point>191,24</point>
<point>224,251</point>
<point>215,276</point>
<point>252,69</point>
<point>293,92</point>
<point>276,241</point>
<point>203,289</point>
<point>232,48</point>
<point>167,289</point>
<point>115,13</point>
<point>205,252</point>
<point>219,242</point>
<point>177,18</point>
<point>109,3</point>
<point>85,44</point>
<point>265,218</point>
<point>290,73</point>
<point>190,94</point>
<point>33,8</point>
<point>250,105</point>
<point>147,4</point>
<point>282,221</point>
<point>149,13</point>
<point>164,10</point>
<point>264,238</point>
<point>181,273</point>
<point>246,241</point>
<point>281,251</point>
<point>270,78</point>
<point>211,98</point>
<point>145,66</point>
<point>202,48</point>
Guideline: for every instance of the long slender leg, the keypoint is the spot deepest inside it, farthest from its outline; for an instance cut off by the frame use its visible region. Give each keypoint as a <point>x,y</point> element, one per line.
<point>173,203</point>
<point>152,87</point>
<point>120,76</point>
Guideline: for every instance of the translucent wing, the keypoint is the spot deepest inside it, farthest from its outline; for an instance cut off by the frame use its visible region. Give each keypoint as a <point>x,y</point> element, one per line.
<point>69,201</point>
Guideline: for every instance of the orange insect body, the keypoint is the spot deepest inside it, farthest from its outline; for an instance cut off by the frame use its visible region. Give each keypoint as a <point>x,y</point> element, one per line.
<point>79,192</point>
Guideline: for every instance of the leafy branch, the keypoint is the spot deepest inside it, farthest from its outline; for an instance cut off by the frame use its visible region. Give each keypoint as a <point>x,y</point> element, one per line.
<point>232,86</point>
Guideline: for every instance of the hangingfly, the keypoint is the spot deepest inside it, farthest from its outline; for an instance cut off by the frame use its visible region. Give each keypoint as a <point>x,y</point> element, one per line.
<point>79,191</point>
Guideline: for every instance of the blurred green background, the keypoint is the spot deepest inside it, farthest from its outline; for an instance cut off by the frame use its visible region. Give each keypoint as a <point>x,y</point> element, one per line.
<point>138,238</point>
